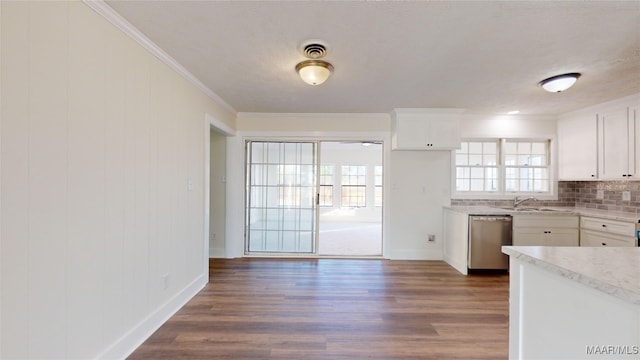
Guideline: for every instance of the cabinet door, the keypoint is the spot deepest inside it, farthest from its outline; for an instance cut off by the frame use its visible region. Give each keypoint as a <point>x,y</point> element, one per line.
<point>634,142</point>
<point>578,147</point>
<point>443,133</point>
<point>623,228</point>
<point>615,144</point>
<point>411,132</point>
<point>596,238</point>
<point>563,237</point>
<point>529,237</point>
<point>425,129</point>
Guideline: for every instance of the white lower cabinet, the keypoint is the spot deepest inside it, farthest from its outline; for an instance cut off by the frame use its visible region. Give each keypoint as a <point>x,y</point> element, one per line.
<point>545,230</point>
<point>604,232</point>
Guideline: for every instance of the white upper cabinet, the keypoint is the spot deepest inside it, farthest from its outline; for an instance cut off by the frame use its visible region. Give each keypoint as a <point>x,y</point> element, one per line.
<point>425,129</point>
<point>618,143</point>
<point>634,123</point>
<point>601,142</point>
<point>578,147</point>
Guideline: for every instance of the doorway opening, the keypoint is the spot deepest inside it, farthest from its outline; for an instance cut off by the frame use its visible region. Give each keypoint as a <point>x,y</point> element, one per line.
<point>315,198</point>
<point>351,198</point>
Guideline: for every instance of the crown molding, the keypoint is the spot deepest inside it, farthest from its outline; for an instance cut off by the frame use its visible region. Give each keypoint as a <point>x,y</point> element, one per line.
<point>126,27</point>
<point>262,115</point>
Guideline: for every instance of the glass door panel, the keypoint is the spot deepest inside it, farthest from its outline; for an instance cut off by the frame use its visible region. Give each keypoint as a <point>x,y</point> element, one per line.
<point>281,193</point>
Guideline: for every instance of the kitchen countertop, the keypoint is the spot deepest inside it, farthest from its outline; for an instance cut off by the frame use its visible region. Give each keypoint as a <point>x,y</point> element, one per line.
<point>590,266</point>
<point>489,210</point>
<point>604,214</point>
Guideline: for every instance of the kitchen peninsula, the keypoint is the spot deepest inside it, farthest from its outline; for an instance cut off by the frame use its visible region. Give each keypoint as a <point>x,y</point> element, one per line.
<point>574,302</point>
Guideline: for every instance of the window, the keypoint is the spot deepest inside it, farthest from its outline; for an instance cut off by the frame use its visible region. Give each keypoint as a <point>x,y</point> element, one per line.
<point>502,166</point>
<point>477,166</point>
<point>378,185</point>
<point>353,185</point>
<point>326,185</point>
<point>526,166</point>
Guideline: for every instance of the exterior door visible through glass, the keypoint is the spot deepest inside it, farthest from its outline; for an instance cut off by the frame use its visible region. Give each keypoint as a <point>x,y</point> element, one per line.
<point>281,197</point>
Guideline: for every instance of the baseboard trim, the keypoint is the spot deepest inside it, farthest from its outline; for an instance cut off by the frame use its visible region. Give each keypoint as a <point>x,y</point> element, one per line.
<point>217,253</point>
<point>460,266</point>
<point>130,341</point>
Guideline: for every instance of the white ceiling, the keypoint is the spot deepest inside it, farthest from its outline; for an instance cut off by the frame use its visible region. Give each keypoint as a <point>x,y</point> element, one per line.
<point>486,57</point>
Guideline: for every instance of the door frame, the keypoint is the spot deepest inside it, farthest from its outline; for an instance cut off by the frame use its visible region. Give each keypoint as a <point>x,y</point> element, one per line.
<point>236,173</point>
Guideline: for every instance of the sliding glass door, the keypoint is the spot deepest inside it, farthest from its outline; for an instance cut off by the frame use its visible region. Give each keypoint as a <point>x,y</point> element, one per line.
<point>281,197</point>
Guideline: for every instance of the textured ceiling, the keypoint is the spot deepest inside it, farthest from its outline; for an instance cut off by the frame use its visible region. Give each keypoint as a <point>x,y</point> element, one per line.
<point>486,57</point>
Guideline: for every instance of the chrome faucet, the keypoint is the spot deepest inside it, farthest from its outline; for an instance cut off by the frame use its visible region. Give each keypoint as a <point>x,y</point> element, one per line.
<point>517,201</point>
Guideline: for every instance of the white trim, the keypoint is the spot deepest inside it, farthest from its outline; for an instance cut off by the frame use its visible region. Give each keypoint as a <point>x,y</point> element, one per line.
<point>599,108</point>
<point>211,123</point>
<point>352,116</point>
<point>219,125</point>
<point>217,252</point>
<point>207,190</point>
<point>501,194</point>
<point>1,72</point>
<point>315,135</point>
<point>234,246</point>
<point>121,23</point>
<point>133,338</point>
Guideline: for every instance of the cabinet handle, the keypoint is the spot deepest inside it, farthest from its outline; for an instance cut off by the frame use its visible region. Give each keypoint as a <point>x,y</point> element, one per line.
<point>604,225</point>
<point>593,175</point>
<point>604,244</point>
<point>624,175</point>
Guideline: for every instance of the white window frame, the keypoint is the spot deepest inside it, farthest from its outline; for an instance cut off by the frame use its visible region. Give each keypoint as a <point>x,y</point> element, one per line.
<point>344,186</point>
<point>501,194</point>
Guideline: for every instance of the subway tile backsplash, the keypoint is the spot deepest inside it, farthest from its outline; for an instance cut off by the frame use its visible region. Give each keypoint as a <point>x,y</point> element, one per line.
<point>582,194</point>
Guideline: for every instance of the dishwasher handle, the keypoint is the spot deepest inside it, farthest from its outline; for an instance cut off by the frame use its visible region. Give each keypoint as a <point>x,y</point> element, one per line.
<point>491,218</point>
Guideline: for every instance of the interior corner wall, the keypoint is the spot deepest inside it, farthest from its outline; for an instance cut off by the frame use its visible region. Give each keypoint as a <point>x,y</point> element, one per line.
<point>101,237</point>
<point>420,187</point>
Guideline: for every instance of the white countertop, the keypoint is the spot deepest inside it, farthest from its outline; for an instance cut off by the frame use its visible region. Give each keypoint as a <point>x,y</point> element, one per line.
<point>611,270</point>
<point>489,210</point>
<point>604,214</point>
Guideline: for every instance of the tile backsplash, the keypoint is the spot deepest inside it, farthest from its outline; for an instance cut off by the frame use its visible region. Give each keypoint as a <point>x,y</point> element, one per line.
<point>582,194</point>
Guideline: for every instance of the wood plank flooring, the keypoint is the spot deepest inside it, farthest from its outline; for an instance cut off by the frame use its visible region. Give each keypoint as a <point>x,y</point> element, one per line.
<point>337,309</point>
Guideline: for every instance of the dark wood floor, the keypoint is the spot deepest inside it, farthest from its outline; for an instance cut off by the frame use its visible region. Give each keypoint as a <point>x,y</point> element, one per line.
<point>337,309</point>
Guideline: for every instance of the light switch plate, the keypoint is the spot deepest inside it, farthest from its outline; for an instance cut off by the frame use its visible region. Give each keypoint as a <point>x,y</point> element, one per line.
<point>600,194</point>
<point>626,195</point>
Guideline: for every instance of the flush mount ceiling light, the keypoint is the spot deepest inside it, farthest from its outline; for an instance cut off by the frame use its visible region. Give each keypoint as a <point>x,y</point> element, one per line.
<point>559,83</point>
<point>314,71</point>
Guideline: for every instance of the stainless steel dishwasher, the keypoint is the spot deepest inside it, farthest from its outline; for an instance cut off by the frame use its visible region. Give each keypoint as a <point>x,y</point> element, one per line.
<point>487,235</point>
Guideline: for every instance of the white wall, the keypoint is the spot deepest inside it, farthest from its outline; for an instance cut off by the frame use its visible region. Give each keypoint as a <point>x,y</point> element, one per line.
<point>420,187</point>
<point>508,126</point>
<point>99,139</point>
<point>417,183</point>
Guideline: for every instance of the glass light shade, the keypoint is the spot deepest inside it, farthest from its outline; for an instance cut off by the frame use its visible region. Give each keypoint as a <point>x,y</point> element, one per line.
<point>314,72</point>
<point>560,82</point>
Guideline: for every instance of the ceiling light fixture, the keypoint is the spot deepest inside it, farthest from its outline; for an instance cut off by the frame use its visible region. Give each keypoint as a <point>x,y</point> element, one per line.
<point>559,83</point>
<point>314,71</point>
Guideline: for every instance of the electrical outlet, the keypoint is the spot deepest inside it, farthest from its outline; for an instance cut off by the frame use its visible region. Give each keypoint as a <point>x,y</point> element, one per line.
<point>626,195</point>
<point>600,194</point>
<point>431,238</point>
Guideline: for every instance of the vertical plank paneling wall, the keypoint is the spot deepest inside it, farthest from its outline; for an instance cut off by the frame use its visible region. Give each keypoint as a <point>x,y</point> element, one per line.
<point>98,141</point>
